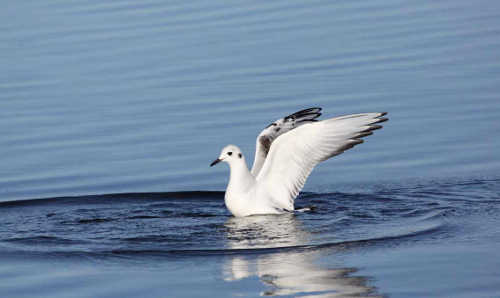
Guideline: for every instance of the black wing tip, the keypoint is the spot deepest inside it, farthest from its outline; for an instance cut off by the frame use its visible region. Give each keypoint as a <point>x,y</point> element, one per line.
<point>309,111</point>
<point>363,134</point>
<point>312,113</point>
<point>352,142</point>
<point>373,126</point>
<point>381,118</point>
<point>357,139</point>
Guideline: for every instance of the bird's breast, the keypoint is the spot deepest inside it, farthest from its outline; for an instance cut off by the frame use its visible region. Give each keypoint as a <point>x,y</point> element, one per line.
<point>237,203</point>
<point>250,203</point>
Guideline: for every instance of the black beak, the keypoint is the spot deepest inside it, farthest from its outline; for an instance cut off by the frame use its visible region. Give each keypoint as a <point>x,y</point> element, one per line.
<point>215,162</point>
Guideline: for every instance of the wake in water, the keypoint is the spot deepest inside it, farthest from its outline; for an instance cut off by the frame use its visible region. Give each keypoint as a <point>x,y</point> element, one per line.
<point>197,222</point>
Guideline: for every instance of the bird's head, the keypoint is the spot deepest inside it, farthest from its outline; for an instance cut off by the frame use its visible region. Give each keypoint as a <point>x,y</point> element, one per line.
<point>230,154</point>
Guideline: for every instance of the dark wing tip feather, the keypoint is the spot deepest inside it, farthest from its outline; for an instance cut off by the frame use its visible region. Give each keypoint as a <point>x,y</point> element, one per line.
<point>309,114</point>
<point>308,111</point>
<point>305,112</point>
<point>357,138</point>
<point>363,134</point>
<point>371,128</point>
<point>374,127</point>
<point>368,131</point>
<point>350,144</point>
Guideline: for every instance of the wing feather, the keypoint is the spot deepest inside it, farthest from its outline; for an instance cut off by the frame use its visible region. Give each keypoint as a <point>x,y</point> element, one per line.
<point>293,155</point>
<point>277,128</point>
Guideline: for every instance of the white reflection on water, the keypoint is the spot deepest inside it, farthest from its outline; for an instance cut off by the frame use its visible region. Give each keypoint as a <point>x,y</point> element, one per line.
<point>286,272</point>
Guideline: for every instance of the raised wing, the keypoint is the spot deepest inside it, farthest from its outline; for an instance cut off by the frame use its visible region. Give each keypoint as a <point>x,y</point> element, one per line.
<point>292,156</point>
<point>277,128</point>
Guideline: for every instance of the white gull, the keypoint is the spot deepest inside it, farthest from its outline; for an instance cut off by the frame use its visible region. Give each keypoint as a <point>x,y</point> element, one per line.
<point>286,152</point>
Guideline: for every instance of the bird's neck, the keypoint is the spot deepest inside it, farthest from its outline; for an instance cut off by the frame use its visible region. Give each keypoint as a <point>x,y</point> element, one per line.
<point>240,178</point>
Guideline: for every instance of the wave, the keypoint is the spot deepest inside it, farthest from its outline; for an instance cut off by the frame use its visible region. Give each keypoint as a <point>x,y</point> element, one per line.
<point>395,239</point>
<point>42,240</point>
<point>197,222</point>
<point>347,244</point>
<point>115,197</point>
<point>459,190</point>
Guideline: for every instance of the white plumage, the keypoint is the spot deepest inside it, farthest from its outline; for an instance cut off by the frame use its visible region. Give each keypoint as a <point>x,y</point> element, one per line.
<point>286,153</point>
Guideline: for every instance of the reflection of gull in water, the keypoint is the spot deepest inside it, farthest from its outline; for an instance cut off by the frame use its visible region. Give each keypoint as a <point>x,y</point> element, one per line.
<point>265,231</point>
<point>286,270</point>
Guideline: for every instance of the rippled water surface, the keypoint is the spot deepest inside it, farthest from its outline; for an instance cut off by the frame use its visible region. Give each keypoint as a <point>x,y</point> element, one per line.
<point>111,111</point>
<point>165,236</point>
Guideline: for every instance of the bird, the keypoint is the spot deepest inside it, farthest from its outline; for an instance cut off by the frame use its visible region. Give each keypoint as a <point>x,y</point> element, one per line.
<point>286,152</point>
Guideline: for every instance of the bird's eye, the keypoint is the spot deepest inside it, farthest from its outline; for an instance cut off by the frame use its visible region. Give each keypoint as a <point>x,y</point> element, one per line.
<point>230,153</point>
<point>239,155</point>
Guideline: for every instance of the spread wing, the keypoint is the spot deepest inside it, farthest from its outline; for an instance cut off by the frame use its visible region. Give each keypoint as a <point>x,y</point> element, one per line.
<point>292,156</point>
<point>277,128</point>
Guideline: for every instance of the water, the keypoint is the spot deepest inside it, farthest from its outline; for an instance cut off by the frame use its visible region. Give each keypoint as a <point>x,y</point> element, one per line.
<point>174,241</point>
<point>110,113</point>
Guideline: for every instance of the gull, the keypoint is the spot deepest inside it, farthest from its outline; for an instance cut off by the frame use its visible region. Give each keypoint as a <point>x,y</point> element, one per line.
<point>286,152</point>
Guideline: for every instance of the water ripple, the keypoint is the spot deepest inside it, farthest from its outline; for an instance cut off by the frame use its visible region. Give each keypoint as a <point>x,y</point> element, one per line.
<point>191,223</point>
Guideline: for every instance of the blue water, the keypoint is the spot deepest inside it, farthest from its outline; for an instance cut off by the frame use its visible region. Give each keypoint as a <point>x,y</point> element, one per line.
<point>111,111</point>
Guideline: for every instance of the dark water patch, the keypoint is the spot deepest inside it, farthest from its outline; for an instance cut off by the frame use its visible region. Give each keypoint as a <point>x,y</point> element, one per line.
<point>42,240</point>
<point>195,214</point>
<point>429,213</point>
<point>395,211</point>
<point>390,240</point>
<point>95,220</point>
<point>152,238</point>
<point>116,198</point>
<point>143,217</point>
<point>176,223</point>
